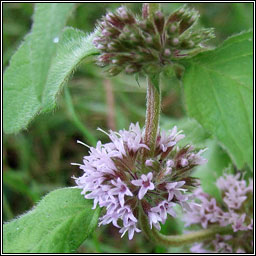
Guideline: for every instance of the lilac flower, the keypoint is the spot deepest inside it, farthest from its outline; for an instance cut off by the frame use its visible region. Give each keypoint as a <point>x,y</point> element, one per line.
<point>221,245</point>
<point>127,215</point>
<point>174,189</point>
<point>185,203</point>
<point>228,181</point>
<point>166,141</point>
<point>163,208</point>
<point>170,163</point>
<point>196,159</point>
<point>233,200</point>
<point>120,189</point>
<point>122,11</point>
<point>249,188</point>
<point>236,213</point>
<point>218,245</point>
<point>169,166</point>
<point>213,210</point>
<point>154,219</point>
<point>144,183</point>
<point>198,248</point>
<point>117,178</point>
<point>240,250</point>
<point>159,213</point>
<point>188,157</point>
<point>131,228</point>
<point>197,215</point>
<point>205,213</point>
<point>238,222</point>
<point>108,218</point>
<point>250,226</point>
<point>133,138</point>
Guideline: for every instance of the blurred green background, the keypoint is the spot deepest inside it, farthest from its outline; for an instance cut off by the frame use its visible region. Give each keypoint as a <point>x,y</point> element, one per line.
<point>37,160</point>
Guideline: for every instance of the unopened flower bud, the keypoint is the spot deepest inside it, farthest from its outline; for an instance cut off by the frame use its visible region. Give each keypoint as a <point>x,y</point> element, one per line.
<point>149,39</point>
<point>114,61</point>
<point>183,162</point>
<point>109,16</point>
<point>193,18</point>
<point>167,52</point>
<point>181,11</point>
<point>173,28</point>
<point>159,21</point>
<point>145,10</point>
<point>168,171</point>
<point>100,46</point>
<point>114,70</point>
<point>96,41</point>
<point>133,37</point>
<point>170,163</point>
<point>191,44</point>
<point>122,11</point>
<point>126,29</point>
<point>105,32</point>
<point>111,46</point>
<point>104,58</point>
<point>149,162</point>
<point>130,69</point>
<point>175,41</point>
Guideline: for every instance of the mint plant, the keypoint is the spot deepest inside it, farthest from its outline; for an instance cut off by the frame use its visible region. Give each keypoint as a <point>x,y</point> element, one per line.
<point>143,176</point>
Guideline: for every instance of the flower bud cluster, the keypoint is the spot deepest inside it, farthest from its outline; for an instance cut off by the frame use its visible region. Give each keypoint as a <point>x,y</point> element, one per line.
<point>133,44</point>
<point>119,179</point>
<point>236,210</point>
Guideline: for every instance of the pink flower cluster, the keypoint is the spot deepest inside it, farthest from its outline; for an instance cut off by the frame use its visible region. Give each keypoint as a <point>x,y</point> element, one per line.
<point>219,245</point>
<point>236,210</point>
<point>118,178</point>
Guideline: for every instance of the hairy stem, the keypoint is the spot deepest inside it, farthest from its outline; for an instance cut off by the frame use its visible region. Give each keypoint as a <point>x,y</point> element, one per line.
<point>152,113</point>
<point>178,240</point>
<point>153,96</point>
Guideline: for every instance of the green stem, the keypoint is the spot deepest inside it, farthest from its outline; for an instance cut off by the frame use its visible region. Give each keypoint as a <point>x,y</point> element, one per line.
<point>152,113</point>
<point>179,240</point>
<point>153,99</point>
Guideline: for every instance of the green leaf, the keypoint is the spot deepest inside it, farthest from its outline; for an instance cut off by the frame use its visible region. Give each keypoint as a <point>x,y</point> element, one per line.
<point>25,78</point>
<point>195,133</point>
<point>73,48</point>
<point>219,95</point>
<point>58,224</point>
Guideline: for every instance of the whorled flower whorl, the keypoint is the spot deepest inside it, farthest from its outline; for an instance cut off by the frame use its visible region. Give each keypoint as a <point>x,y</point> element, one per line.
<point>135,44</point>
<point>235,209</point>
<point>117,177</point>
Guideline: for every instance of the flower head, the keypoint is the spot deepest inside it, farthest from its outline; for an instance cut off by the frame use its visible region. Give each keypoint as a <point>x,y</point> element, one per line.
<point>135,44</point>
<point>235,211</point>
<point>118,178</point>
